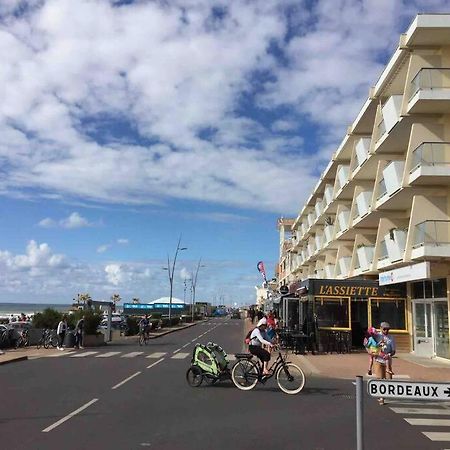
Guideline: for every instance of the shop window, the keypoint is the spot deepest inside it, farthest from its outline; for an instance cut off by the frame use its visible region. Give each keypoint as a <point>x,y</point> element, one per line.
<point>440,288</point>
<point>428,289</point>
<point>417,290</point>
<point>332,312</point>
<point>392,311</point>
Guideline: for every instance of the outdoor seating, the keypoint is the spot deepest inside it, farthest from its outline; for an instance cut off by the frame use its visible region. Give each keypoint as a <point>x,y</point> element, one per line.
<point>336,341</point>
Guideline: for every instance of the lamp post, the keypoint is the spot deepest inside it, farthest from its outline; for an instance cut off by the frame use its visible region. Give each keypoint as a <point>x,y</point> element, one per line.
<point>171,272</point>
<point>194,285</point>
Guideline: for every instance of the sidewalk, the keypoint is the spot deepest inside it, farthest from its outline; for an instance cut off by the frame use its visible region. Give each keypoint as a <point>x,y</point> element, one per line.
<point>24,353</point>
<point>348,366</point>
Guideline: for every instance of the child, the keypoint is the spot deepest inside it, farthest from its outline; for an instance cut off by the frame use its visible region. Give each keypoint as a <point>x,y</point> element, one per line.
<point>386,356</point>
<point>372,346</point>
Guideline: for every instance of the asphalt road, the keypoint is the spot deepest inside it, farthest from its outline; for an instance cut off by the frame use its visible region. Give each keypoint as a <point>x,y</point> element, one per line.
<point>118,398</point>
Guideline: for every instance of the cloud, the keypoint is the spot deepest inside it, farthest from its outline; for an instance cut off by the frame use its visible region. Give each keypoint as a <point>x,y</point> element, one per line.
<point>47,223</point>
<point>123,241</point>
<point>74,220</point>
<point>103,248</point>
<point>284,125</point>
<point>185,274</point>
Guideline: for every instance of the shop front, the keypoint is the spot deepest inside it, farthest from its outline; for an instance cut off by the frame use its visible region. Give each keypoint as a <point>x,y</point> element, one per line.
<point>351,306</point>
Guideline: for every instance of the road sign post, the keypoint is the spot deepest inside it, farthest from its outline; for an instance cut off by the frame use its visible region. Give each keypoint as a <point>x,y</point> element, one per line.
<point>359,413</point>
<point>410,390</point>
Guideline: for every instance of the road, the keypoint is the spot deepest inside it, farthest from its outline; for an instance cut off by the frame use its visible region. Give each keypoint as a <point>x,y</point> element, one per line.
<point>128,397</point>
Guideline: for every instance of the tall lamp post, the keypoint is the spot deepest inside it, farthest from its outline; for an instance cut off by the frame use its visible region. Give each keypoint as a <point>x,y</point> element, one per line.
<point>171,271</point>
<point>194,285</point>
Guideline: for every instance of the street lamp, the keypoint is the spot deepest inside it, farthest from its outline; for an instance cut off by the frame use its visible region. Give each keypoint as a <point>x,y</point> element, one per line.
<point>194,284</point>
<point>171,272</point>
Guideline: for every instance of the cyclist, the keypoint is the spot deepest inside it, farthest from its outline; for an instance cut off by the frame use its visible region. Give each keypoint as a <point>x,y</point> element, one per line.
<point>144,326</point>
<point>258,338</point>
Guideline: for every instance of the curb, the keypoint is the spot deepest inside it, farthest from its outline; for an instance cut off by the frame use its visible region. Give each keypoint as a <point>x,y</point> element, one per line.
<point>9,361</point>
<point>172,331</point>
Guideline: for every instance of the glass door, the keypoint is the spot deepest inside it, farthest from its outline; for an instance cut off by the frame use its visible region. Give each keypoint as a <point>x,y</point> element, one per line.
<point>423,331</point>
<point>441,334</point>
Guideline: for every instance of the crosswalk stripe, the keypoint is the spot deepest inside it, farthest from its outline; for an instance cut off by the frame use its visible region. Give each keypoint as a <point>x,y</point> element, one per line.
<point>82,355</point>
<point>56,355</point>
<point>437,435</point>
<point>429,422</point>
<point>108,354</point>
<point>180,356</point>
<point>426,411</point>
<point>157,355</point>
<point>132,354</point>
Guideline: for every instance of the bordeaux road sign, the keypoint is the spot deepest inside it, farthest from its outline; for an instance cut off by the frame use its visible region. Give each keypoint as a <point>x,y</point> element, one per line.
<point>409,390</point>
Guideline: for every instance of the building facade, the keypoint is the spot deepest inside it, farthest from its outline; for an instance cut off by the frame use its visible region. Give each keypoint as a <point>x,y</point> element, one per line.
<point>380,211</point>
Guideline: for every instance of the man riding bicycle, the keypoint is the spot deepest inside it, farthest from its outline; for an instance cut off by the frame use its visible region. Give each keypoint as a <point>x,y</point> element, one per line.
<point>258,338</point>
<point>144,326</point>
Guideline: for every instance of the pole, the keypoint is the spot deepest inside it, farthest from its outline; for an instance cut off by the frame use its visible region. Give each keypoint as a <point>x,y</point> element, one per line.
<point>171,274</point>
<point>359,413</point>
<point>194,285</point>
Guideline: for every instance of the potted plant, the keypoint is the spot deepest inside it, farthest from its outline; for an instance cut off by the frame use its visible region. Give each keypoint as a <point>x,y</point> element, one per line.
<point>92,337</point>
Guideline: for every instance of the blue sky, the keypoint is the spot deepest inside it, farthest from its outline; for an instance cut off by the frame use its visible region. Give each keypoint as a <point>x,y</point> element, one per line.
<point>126,124</point>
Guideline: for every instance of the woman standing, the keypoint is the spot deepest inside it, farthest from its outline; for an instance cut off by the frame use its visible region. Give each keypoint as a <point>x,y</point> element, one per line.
<point>61,332</point>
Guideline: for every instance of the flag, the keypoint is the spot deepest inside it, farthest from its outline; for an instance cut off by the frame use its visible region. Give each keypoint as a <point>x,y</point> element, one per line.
<point>261,270</point>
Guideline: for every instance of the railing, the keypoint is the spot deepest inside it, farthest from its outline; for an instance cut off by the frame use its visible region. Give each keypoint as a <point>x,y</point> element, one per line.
<point>432,232</point>
<point>382,190</point>
<point>381,127</point>
<point>383,251</point>
<point>430,78</point>
<point>431,154</point>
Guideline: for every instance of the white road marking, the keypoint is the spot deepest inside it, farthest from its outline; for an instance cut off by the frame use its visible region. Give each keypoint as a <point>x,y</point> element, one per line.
<point>64,419</point>
<point>193,340</point>
<point>157,355</point>
<point>131,354</point>
<point>126,379</point>
<point>82,355</point>
<point>429,422</point>
<point>154,364</point>
<point>437,436</point>
<point>108,354</point>
<point>182,356</point>
<point>177,350</point>
<point>433,411</point>
<point>56,355</point>
<point>185,345</point>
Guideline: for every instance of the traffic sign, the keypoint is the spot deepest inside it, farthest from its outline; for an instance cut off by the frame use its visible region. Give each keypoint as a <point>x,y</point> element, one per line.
<point>409,390</point>
<point>284,290</point>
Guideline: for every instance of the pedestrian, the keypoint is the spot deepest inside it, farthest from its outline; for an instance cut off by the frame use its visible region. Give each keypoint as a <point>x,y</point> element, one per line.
<point>383,361</point>
<point>372,345</point>
<point>79,333</point>
<point>61,332</point>
<point>260,314</point>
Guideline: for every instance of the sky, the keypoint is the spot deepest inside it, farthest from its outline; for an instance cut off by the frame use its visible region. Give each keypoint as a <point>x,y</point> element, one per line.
<point>125,125</point>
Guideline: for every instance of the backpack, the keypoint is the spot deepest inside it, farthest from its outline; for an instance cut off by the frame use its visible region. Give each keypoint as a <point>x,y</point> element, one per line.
<point>247,338</point>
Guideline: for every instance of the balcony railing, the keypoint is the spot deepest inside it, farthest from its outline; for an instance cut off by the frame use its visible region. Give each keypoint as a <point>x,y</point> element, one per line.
<point>431,154</point>
<point>430,78</point>
<point>383,251</point>
<point>382,191</point>
<point>381,129</point>
<point>432,232</point>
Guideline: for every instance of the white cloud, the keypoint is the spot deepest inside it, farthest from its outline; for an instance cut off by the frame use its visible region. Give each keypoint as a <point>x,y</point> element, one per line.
<point>185,274</point>
<point>103,248</point>
<point>123,241</point>
<point>114,274</point>
<point>74,221</point>
<point>47,223</point>
<point>284,125</point>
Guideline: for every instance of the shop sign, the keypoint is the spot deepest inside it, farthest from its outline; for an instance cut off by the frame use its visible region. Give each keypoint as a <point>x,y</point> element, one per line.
<point>354,288</point>
<point>420,271</point>
<point>409,390</point>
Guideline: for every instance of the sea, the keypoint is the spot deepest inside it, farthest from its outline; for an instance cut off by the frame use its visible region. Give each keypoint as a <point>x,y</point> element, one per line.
<point>30,308</point>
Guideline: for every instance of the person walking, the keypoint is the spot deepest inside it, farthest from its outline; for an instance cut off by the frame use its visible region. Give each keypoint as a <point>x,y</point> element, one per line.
<point>79,333</point>
<point>61,332</point>
<point>383,362</point>
<point>251,314</point>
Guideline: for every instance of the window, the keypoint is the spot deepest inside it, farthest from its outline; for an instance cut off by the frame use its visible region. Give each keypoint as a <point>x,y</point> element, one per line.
<point>440,288</point>
<point>430,289</point>
<point>392,311</point>
<point>332,312</point>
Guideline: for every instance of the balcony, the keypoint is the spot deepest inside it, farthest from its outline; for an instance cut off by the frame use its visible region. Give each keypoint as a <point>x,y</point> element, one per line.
<point>328,232</point>
<point>311,248</point>
<point>363,201</point>
<point>311,219</point>
<point>328,195</point>
<point>362,151</point>
<point>342,175</point>
<point>383,258</point>
<point>319,208</point>
<point>392,175</point>
<point>391,115</point>
<point>329,270</point>
<point>365,256</point>
<point>431,239</point>
<point>431,164</point>
<point>430,91</point>
<point>343,219</point>
<point>395,244</point>
<point>318,241</point>
<point>381,190</point>
<point>344,266</point>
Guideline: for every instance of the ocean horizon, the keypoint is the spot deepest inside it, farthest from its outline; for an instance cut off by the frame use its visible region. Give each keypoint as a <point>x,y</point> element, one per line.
<point>30,308</point>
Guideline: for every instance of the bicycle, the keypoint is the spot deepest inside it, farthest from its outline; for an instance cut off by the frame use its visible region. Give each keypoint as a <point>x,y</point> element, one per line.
<point>47,339</point>
<point>22,340</point>
<point>246,373</point>
<point>144,336</point>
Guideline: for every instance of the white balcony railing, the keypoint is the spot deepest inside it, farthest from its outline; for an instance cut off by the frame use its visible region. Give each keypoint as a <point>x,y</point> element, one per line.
<point>395,243</point>
<point>431,154</point>
<point>362,151</point>
<point>344,265</point>
<point>392,175</point>
<point>363,201</point>
<point>365,256</point>
<point>343,173</point>
<point>382,191</point>
<point>329,270</point>
<point>328,195</point>
<point>319,241</point>
<point>319,208</point>
<point>343,219</point>
<point>430,78</point>
<point>328,232</point>
<point>432,239</point>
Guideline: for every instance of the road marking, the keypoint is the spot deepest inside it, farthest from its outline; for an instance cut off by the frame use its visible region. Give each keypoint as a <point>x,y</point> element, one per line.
<point>435,411</point>
<point>177,350</point>
<point>437,436</point>
<point>56,355</point>
<point>157,355</point>
<point>429,422</point>
<point>108,354</point>
<point>183,355</point>
<point>154,364</point>
<point>185,345</point>
<point>193,340</point>
<point>64,419</point>
<point>131,355</point>
<point>126,379</point>
<point>82,355</point>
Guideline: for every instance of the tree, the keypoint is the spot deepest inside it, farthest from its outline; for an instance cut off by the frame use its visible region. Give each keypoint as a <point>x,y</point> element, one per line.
<point>136,300</point>
<point>116,298</point>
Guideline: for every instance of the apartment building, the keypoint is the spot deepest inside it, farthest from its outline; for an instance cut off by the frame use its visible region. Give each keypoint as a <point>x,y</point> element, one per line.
<point>372,242</point>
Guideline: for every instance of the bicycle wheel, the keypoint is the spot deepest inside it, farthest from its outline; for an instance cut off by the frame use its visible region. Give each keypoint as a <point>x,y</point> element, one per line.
<point>194,376</point>
<point>39,344</point>
<point>245,374</point>
<point>141,339</point>
<point>290,378</point>
<point>54,341</point>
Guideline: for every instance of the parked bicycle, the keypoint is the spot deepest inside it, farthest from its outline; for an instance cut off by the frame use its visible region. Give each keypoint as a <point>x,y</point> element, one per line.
<point>22,339</point>
<point>47,339</point>
<point>246,373</point>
